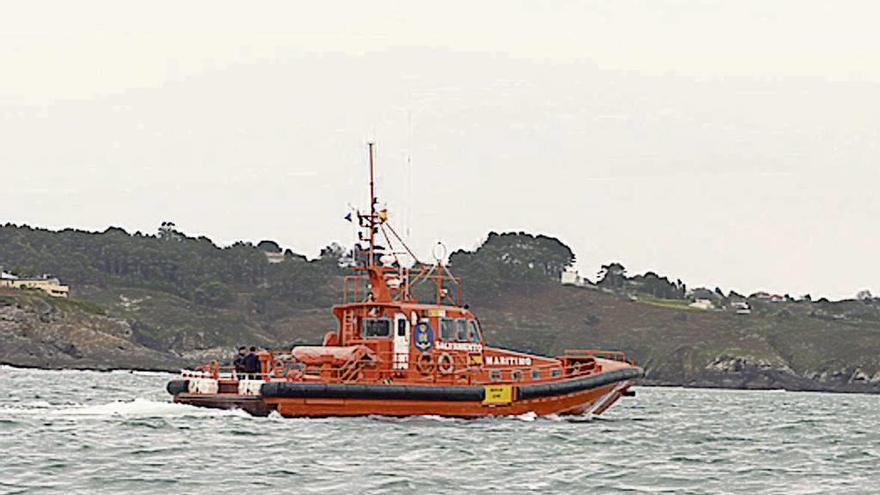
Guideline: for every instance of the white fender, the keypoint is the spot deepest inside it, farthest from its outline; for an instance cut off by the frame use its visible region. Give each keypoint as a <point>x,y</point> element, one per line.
<point>202,386</point>
<point>193,385</point>
<point>210,386</point>
<point>249,387</point>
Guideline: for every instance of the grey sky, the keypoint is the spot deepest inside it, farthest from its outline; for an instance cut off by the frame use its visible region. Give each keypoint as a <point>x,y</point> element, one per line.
<point>723,143</point>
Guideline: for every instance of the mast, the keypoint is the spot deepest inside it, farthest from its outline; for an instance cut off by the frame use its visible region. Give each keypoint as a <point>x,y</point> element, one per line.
<point>378,275</point>
<point>379,289</point>
<point>372,208</point>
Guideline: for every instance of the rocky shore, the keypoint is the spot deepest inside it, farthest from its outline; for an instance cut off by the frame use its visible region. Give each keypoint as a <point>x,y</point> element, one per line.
<point>55,334</point>
<point>737,372</point>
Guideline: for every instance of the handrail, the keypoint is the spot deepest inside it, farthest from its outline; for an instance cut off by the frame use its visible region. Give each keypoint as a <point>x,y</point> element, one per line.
<point>223,373</point>
<point>598,353</point>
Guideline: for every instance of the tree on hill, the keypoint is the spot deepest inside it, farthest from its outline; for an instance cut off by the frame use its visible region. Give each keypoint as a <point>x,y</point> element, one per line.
<point>612,276</point>
<point>214,294</point>
<point>521,255</point>
<point>864,295</point>
<point>193,268</point>
<point>704,293</point>
<point>511,258</point>
<point>269,246</point>
<point>335,256</point>
<point>167,231</point>
<point>655,285</point>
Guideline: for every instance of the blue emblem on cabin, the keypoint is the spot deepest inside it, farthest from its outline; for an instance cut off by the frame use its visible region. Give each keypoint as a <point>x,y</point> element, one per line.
<point>424,336</point>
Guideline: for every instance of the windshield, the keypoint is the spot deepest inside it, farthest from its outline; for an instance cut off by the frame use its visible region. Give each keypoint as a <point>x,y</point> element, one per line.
<point>377,328</point>
<point>447,329</point>
<point>473,331</point>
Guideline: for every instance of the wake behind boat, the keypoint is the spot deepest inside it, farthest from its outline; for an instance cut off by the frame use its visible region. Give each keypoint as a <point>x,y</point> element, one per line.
<point>395,354</point>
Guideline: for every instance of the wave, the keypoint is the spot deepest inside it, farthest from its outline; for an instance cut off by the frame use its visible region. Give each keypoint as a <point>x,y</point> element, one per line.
<point>528,417</point>
<point>37,406</point>
<point>145,408</point>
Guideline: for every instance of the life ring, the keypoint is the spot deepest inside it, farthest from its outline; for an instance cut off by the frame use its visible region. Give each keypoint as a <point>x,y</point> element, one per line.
<point>445,364</point>
<point>425,364</point>
<point>278,368</point>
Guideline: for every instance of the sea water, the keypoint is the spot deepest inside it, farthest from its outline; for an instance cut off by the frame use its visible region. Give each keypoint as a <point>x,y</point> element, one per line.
<point>70,432</point>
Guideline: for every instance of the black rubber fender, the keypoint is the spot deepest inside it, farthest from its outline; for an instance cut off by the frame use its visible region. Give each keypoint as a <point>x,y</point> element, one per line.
<point>378,392</point>
<point>578,384</point>
<point>175,387</point>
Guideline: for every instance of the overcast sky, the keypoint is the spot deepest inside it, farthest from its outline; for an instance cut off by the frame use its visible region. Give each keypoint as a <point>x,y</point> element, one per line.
<point>724,143</point>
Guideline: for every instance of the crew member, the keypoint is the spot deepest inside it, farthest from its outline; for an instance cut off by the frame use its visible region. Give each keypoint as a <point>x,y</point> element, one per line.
<point>238,362</point>
<point>252,363</point>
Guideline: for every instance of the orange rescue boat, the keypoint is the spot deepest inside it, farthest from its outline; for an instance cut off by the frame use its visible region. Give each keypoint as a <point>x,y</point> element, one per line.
<point>396,356</point>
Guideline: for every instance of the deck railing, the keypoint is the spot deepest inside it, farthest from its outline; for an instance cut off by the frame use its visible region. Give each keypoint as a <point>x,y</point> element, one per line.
<point>597,353</point>
<point>467,369</point>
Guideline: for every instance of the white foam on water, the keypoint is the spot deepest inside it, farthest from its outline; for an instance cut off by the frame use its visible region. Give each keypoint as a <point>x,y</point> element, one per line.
<point>581,418</point>
<point>36,404</point>
<point>442,419</point>
<point>27,408</point>
<point>529,416</point>
<point>145,373</point>
<point>577,418</point>
<point>144,408</point>
<point>414,418</point>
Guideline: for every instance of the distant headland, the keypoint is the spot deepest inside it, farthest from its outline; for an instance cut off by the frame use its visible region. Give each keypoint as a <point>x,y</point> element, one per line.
<point>166,300</point>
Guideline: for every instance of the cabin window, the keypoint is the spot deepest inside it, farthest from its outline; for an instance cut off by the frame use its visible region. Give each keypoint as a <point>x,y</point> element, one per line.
<point>448,329</point>
<point>462,330</point>
<point>555,373</point>
<point>536,374</point>
<point>380,327</point>
<point>516,375</point>
<point>401,327</point>
<point>495,375</point>
<point>473,332</point>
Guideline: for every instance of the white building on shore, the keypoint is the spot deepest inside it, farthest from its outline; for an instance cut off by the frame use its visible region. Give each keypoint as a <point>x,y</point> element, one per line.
<point>571,277</point>
<point>704,304</point>
<point>49,285</point>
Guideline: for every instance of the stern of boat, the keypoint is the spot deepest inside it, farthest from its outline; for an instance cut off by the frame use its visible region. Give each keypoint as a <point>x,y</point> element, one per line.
<point>220,389</point>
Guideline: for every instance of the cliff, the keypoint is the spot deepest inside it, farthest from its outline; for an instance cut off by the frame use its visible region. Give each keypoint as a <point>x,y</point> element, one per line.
<point>39,331</point>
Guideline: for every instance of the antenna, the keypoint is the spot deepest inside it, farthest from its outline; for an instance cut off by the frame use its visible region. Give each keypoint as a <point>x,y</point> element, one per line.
<point>407,232</point>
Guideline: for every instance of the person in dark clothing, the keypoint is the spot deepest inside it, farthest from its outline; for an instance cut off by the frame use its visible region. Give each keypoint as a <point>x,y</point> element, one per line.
<point>252,362</point>
<point>238,362</point>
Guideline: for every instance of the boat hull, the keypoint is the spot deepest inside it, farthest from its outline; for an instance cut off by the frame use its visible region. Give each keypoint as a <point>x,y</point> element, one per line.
<point>255,406</point>
<point>593,394</point>
<point>595,400</point>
